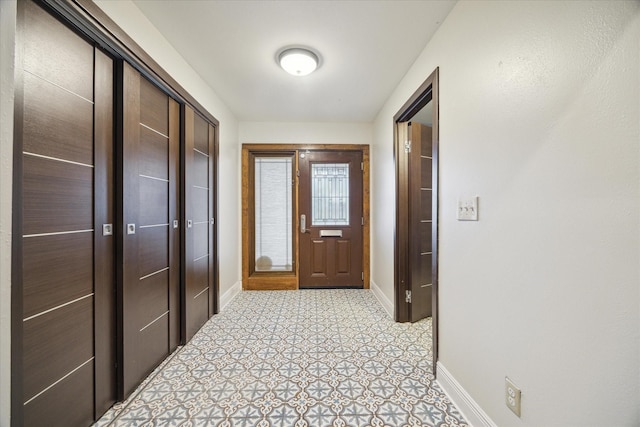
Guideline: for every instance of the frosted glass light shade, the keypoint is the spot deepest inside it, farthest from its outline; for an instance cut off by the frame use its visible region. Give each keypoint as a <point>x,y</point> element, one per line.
<point>298,61</point>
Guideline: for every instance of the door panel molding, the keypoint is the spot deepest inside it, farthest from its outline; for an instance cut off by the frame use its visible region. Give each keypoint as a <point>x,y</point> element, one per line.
<point>278,280</point>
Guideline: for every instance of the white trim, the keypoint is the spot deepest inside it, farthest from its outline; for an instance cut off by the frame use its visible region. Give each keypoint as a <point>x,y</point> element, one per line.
<point>58,86</point>
<point>382,299</point>
<point>201,292</point>
<point>55,383</point>
<point>200,152</point>
<point>56,307</point>
<point>469,408</point>
<point>153,177</point>
<point>57,159</point>
<point>231,293</point>
<point>154,273</point>
<point>153,130</point>
<point>203,256</point>
<point>58,233</point>
<point>154,320</point>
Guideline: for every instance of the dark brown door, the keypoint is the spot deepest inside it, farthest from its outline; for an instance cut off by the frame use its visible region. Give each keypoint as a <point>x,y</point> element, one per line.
<point>330,222</point>
<point>150,231</point>
<point>200,289</point>
<point>64,135</point>
<point>420,220</point>
<point>414,221</point>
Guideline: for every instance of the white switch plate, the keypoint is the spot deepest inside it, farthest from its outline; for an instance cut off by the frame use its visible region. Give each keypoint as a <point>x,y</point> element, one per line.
<point>467,209</point>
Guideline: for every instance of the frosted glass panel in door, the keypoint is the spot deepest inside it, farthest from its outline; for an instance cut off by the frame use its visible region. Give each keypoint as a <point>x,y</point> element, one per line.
<point>330,194</point>
<point>273,214</point>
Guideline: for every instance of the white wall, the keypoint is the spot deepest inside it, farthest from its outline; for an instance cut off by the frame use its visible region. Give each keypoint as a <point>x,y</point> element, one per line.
<point>540,117</point>
<point>7,48</point>
<point>305,133</point>
<point>137,26</point>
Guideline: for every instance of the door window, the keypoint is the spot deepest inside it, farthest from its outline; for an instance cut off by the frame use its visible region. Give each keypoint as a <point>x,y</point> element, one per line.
<point>330,194</point>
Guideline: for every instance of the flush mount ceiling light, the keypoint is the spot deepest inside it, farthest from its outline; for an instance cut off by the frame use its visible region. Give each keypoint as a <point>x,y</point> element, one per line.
<point>298,61</point>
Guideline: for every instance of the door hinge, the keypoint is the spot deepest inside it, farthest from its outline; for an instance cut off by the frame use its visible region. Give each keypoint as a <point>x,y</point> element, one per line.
<point>361,220</point>
<point>361,166</point>
<point>407,146</point>
<point>408,296</point>
<point>297,173</point>
<point>362,276</point>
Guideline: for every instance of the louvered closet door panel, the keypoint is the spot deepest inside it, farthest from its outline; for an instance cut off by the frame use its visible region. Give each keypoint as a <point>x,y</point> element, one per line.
<point>199,235</point>
<point>151,266</point>
<point>67,373</point>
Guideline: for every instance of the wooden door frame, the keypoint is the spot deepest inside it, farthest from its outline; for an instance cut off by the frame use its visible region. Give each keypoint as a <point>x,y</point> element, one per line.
<point>428,91</point>
<point>267,281</point>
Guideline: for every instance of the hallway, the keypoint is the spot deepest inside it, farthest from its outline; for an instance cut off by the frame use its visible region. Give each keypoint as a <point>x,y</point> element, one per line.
<point>295,358</point>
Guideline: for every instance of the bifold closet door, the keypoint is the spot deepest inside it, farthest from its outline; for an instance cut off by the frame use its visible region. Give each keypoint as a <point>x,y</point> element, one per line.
<point>64,117</point>
<point>150,298</point>
<point>200,292</point>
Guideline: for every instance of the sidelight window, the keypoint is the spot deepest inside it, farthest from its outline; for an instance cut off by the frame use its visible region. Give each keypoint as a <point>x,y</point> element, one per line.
<point>273,213</point>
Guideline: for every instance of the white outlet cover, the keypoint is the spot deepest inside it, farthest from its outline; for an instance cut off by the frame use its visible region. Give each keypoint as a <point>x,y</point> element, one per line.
<point>513,396</point>
<point>467,209</point>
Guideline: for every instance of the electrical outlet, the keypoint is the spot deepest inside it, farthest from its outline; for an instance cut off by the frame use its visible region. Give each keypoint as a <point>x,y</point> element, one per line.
<point>467,209</point>
<point>512,396</point>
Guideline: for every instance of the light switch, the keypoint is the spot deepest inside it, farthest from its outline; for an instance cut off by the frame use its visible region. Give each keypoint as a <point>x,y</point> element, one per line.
<point>467,209</point>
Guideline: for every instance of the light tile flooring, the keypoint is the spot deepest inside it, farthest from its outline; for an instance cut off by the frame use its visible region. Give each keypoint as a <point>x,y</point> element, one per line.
<point>292,359</point>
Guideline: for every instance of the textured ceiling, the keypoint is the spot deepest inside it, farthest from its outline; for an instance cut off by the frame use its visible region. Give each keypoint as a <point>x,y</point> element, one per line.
<point>366,48</point>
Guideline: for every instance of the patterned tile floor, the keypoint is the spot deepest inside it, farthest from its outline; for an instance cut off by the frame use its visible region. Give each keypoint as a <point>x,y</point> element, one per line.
<point>309,358</point>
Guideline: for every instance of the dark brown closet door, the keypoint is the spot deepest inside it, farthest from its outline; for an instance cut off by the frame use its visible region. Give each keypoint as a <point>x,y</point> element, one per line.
<point>200,224</point>
<point>150,249</point>
<point>64,132</point>
<point>420,220</point>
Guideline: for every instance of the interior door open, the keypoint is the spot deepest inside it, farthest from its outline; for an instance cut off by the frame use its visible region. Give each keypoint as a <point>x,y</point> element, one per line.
<point>330,219</point>
<point>420,220</point>
<point>415,227</point>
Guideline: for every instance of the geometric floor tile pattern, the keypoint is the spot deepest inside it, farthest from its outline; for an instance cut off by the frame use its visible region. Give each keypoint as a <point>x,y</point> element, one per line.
<point>307,358</point>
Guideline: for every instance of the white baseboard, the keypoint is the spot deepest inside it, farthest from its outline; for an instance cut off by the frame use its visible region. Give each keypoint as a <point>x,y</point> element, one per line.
<point>231,293</point>
<point>469,408</point>
<point>384,301</point>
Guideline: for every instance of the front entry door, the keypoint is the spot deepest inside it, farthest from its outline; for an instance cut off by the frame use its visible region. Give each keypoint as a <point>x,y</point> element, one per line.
<point>330,219</point>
